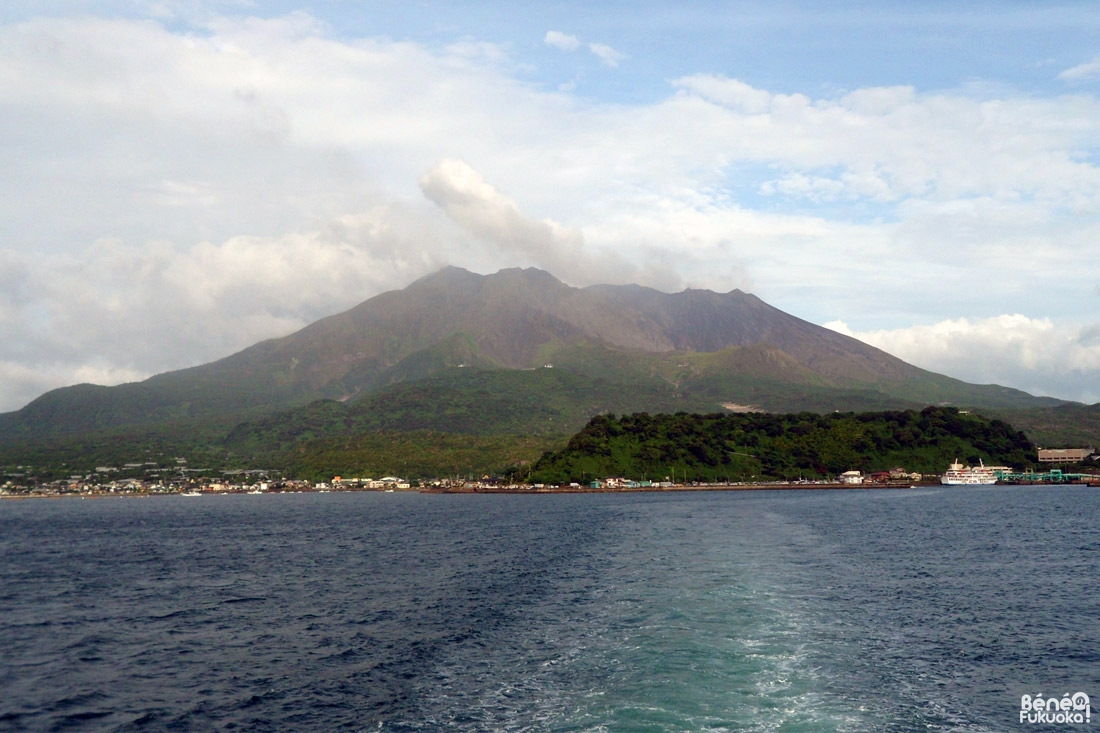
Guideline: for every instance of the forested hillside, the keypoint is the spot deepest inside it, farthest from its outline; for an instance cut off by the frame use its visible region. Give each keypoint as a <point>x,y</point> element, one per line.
<point>758,446</point>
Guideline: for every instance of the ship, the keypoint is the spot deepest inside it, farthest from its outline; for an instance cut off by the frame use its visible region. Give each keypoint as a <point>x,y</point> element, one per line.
<point>959,475</point>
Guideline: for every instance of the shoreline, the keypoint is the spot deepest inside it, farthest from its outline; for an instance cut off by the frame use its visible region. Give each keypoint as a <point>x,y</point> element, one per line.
<point>671,489</point>
<point>550,490</point>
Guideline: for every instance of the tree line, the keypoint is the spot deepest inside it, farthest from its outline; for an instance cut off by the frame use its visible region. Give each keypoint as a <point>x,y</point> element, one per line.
<point>768,446</point>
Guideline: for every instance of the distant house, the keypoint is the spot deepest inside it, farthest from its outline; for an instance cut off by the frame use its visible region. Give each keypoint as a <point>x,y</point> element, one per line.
<point>851,477</point>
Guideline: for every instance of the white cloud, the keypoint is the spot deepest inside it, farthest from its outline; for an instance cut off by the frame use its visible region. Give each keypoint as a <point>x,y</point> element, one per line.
<point>1033,354</point>
<point>477,207</point>
<point>183,193</point>
<point>606,54</point>
<point>118,312</point>
<point>566,42</point>
<point>168,196</point>
<point>25,381</point>
<point>1082,72</point>
<point>893,144</point>
<point>561,41</point>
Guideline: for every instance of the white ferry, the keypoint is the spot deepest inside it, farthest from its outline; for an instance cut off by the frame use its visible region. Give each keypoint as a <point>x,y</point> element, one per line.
<point>960,475</point>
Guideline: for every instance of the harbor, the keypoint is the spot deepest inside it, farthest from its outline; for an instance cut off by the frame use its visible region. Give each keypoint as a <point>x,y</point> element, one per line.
<point>1053,476</point>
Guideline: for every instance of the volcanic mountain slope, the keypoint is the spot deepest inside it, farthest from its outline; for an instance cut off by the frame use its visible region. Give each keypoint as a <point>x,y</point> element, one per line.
<point>703,348</point>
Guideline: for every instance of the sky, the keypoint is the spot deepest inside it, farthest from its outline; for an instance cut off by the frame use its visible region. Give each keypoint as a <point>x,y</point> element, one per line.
<point>180,179</point>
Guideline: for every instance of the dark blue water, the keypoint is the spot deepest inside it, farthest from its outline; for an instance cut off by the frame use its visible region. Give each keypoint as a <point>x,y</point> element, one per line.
<point>793,611</point>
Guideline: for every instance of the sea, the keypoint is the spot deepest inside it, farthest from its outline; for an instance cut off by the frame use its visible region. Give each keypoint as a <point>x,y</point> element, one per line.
<point>927,609</point>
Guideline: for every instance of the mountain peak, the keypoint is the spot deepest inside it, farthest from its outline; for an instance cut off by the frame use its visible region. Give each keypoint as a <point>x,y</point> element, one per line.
<point>518,318</point>
<point>454,273</point>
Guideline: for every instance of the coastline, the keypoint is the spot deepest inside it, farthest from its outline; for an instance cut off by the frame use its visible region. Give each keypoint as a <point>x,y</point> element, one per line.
<point>835,486</point>
<point>544,490</point>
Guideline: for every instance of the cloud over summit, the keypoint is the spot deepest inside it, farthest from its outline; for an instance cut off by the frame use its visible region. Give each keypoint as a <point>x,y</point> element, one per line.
<point>481,210</point>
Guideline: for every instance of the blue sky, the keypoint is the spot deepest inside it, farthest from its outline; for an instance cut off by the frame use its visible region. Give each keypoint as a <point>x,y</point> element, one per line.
<point>808,47</point>
<point>186,178</point>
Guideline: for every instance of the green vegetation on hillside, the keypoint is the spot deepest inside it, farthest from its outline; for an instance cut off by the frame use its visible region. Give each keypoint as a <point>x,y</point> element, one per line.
<point>418,454</point>
<point>753,447</point>
<point>460,401</point>
<point>476,421</point>
<point>469,374</point>
<point>1070,425</point>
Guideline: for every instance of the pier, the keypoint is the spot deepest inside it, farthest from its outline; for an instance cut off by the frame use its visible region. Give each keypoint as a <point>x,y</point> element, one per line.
<point>1053,476</point>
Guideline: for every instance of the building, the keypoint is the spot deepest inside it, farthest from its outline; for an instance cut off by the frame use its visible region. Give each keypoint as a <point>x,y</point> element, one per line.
<point>1063,455</point>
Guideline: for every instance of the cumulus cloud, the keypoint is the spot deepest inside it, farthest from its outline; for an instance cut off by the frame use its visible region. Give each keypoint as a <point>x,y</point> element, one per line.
<point>1032,354</point>
<point>893,144</point>
<point>475,205</point>
<point>561,41</point>
<point>479,208</point>
<point>606,54</point>
<point>566,42</point>
<point>119,312</point>
<point>1082,72</point>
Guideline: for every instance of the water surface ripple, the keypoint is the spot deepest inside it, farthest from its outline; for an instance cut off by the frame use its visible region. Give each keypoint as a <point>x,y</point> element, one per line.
<point>794,610</point>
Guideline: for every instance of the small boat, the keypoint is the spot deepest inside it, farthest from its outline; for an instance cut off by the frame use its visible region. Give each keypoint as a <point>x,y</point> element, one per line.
<point>192,492</point>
